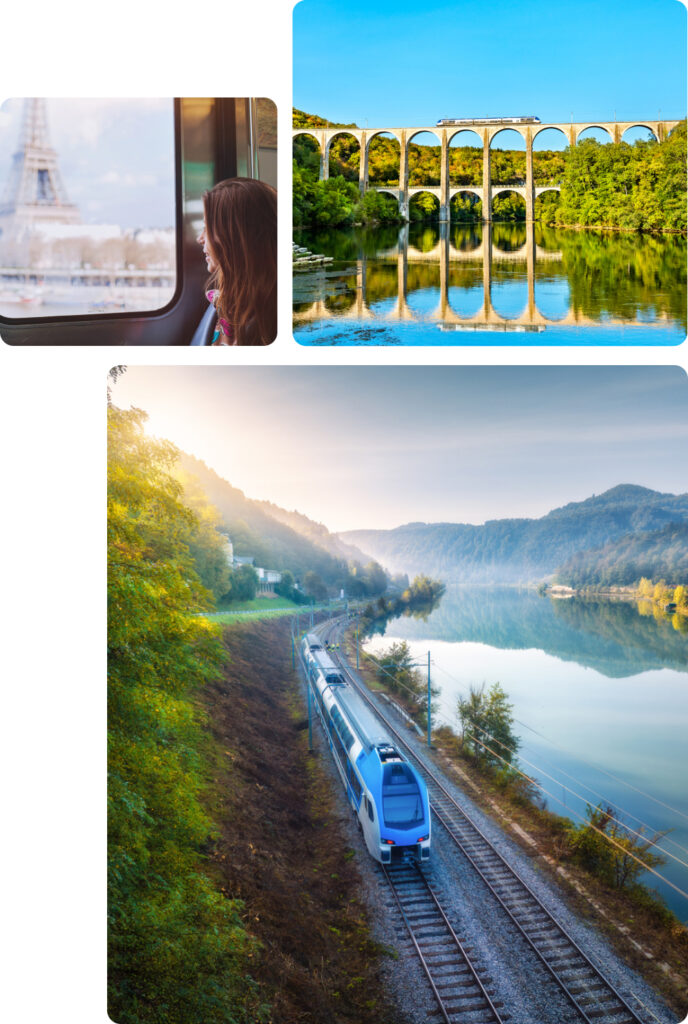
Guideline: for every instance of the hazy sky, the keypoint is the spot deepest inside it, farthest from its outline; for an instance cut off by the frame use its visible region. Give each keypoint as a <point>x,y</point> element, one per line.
<point>410,63</point>
<point>357,447</point>
<point>116,157</point>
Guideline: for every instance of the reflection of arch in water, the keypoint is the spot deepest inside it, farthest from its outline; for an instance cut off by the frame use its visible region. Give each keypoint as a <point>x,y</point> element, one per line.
<point>351,170</point>
<point>552,296</point>
<point>509,299</point>
<point>467,298</point>
<point>466,238</point>
<point>342,302</point>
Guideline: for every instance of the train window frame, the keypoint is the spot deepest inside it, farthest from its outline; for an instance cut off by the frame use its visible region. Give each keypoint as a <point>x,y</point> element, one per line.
<point>177,323</point>
<point>28,321</point>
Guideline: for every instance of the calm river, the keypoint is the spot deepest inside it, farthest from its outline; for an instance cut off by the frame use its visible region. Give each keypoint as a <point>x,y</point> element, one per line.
<point>599,695</point>
<point>432,284</point>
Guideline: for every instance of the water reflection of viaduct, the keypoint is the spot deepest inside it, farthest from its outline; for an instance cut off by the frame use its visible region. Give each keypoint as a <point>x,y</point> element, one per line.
<point>445,192</point>
<point>444,253</point>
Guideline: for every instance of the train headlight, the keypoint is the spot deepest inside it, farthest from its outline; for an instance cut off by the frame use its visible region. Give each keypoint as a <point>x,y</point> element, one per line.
<point>421,839</point>
<point>389,842</point>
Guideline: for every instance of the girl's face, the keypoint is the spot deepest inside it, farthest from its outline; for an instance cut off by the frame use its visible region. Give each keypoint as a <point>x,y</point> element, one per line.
<point>207,251</point>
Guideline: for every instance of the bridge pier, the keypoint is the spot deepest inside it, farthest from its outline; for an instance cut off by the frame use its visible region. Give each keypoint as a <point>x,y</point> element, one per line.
<point>403,176</point>
<point>487,193</point>
<point>444,179</point>
<point>363,164</point>
<point>530,190</point>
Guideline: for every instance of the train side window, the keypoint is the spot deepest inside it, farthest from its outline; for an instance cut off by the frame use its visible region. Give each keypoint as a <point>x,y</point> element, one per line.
<point>353,780</point>
<point>369,809</point>
<point>88,222</point>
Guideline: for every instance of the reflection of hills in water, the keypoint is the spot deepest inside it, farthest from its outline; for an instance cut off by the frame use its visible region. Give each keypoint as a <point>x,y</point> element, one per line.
<point>608,636</point>
<point>507,276</point>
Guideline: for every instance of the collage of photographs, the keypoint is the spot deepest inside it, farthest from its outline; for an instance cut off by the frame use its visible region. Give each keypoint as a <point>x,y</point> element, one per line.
<point>358,689</point>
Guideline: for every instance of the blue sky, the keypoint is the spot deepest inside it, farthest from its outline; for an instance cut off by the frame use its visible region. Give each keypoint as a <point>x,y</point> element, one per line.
<point>357,447</point>
<point>410,63</point>
<point>116,157</point>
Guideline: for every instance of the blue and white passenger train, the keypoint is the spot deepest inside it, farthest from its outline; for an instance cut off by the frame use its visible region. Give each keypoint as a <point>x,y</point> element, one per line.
<point>389,798</point>
<point>521,119</point>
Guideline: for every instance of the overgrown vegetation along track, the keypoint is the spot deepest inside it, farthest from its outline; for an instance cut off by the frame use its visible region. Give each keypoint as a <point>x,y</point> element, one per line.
<point>589,993</point>
<point>455,981</point>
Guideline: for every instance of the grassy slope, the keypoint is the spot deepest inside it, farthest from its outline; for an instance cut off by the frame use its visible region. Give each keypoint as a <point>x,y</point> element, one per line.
<point>281,847</point>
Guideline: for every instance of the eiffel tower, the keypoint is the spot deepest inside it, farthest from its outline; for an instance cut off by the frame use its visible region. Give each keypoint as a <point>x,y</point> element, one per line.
<point>35,194</point>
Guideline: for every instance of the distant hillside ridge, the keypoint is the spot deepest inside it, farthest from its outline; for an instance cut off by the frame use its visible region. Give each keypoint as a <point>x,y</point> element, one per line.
<point>653,555</point>
<point>521,550</point>
<point>300,119</point>
<point>316,533</point>
<point>275,538</point>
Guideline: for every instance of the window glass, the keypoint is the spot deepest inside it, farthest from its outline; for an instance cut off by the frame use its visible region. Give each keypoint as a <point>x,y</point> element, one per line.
<point>87,206</point>
<point>353,780</point>
<point>401,801</point>
<point>266,140</point>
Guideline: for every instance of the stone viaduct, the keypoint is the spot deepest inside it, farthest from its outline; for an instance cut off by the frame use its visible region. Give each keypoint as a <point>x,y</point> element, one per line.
<point>444,135</point>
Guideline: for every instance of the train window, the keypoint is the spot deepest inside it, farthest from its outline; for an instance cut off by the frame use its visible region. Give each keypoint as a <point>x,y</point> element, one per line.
<point>101,205</point>
<point>87,218</point>
<point>402,806</point>
<point>342,728</point>
<point>369,808</point>
<point>353,780</point>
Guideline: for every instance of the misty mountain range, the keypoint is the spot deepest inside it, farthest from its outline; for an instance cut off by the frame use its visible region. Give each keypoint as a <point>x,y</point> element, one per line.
<point>528,550</point>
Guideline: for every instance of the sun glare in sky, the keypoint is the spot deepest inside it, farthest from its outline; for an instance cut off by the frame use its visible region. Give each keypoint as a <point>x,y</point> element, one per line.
<point>377,447</point>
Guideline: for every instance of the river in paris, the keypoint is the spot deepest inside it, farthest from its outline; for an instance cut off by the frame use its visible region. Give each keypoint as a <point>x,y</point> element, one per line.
<point>600,701</point>
<point>504,284</point>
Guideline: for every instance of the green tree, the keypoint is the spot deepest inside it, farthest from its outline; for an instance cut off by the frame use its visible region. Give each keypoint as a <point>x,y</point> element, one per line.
<point>176,945</point>
<point>606,848</point>
<point>487,725</point>
<point>314,586</point>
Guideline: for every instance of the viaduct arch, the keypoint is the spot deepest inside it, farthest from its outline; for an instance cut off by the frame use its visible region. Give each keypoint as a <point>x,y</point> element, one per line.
<point>572,131</point>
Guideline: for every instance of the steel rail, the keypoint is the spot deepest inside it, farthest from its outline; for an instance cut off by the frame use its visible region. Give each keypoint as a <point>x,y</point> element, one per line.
<point>589,1013</point>
<point>453,943</point>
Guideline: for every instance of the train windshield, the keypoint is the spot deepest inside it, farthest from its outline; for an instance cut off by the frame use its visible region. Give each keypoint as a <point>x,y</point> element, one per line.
<point>402,806</point>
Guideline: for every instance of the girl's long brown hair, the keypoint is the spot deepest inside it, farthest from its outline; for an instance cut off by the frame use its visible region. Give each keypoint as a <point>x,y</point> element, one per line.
<point>241,229</point>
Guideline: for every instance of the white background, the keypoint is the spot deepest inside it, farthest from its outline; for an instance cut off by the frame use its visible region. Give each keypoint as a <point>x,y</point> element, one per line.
<point>52,403</point>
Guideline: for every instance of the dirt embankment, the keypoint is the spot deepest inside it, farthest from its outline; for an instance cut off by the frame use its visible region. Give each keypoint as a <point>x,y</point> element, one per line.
<point>282,848</point>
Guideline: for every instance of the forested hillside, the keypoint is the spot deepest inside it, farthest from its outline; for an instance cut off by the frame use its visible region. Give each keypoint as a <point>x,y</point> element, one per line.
<point>175,940</point>
<point>285,540</point>
<point>521,550</point>
<point>656,555</point>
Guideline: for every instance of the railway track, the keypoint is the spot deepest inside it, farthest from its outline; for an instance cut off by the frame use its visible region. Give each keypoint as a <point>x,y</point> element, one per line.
<point>593,998</point>
<point>460,992</point>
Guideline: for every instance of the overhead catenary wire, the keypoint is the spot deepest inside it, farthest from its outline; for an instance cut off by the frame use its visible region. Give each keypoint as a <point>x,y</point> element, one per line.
<point>588,824</point>
<point>551,796</point>
<point>590,765</point>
